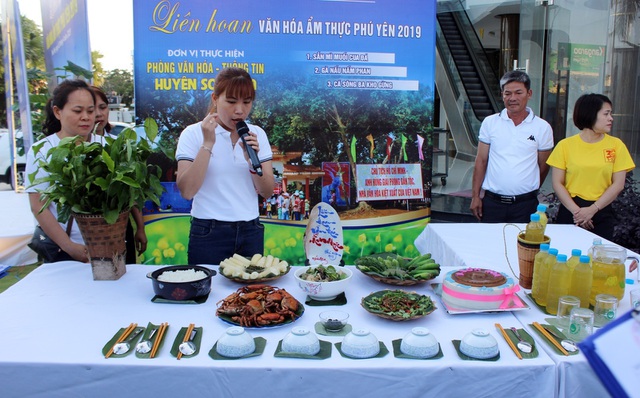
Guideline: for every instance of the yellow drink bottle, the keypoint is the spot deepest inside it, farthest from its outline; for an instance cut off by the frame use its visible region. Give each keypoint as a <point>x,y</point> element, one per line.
<point>559,283</point>
<point>542,211</point>
<point>537,269</point>
<point>534,231</point>
<point>573,261</point>
<point>544,277</point>
<point>581,281</point>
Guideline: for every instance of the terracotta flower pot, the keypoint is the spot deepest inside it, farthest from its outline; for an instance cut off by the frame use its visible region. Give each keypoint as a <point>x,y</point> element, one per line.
<point>106,244</point>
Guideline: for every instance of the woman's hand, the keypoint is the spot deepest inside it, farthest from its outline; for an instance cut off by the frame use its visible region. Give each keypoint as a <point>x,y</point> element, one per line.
<point>140,240</point>
<point>209,124</point>
<point>583,217</point>
<point>251,139</point>
<point>78,252</point>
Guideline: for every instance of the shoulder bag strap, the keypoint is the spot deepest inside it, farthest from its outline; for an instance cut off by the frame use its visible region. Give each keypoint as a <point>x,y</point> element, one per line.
<point>69,224</point>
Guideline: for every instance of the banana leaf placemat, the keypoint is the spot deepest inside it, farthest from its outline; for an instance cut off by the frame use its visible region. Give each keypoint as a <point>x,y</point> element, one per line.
<point>151,329</point>
<point>195,300</point>
<point>324,353</point>
<point>107,347</point>
<point>383,351</point>
<point>320,329</point>
<point>197,340</point>
<point>340,299</point>
<point>559,333</point>
<point>456,344</point>
<point>526,337</point>
<point>399,354</point>
<point>260,342</point>
<point>541,308</point>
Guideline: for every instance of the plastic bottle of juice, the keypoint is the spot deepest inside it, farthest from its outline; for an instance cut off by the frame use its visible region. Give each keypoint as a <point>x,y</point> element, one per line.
<point>559,283</point>
<point>581,281</point>
<point>535,231</point>
<point>544,277</point>
<point>537,269</point>
<point>573,261</point>
<point>542,211</point>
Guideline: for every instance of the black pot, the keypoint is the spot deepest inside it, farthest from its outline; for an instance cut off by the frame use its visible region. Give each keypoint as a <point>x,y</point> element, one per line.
<point>181,291</point>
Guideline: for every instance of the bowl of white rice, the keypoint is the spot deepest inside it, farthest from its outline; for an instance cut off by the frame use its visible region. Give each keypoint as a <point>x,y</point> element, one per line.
<point>181,282</point>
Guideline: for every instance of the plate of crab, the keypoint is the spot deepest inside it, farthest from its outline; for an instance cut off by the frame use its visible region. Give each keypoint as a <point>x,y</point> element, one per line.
<point>259,306</point>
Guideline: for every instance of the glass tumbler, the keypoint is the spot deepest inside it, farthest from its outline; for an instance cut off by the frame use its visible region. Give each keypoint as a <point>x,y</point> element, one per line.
<point>635,298</point>
<point>565,305</point>
<point>605,309</point>
<point>580,323</point>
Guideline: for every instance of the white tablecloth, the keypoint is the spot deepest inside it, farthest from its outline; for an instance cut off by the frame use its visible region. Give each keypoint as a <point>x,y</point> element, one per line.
<point>483,245</point>
<point>16,229</point>
<point>56,321</point>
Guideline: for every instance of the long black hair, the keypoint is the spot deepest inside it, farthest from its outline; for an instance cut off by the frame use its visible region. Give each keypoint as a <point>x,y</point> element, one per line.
<point>59,99</point>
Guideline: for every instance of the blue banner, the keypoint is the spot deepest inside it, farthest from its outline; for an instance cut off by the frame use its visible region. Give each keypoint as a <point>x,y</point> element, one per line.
<point>333,79</point>
<point>345,46</point>
<point>67,52</point>
<point>14,54</point>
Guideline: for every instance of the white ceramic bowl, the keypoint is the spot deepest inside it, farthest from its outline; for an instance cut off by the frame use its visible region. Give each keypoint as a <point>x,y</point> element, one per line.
<point>334,320</point>
<point>235,343</point>
<point>323,291</point>
<point>301,341</point>
<point>419,342</point>
<point>479,344</point>
<point>360,343</point>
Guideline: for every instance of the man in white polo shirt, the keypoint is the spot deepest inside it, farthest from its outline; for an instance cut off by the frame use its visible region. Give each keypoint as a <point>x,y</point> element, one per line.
<point>512,153</point>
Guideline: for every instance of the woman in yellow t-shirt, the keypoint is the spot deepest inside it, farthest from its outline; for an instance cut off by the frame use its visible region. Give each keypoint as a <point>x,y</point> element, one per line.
<point>589,168</point>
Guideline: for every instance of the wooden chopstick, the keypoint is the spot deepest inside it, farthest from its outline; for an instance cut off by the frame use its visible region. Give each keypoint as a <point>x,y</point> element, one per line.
<point>506,337</point>
<point>123,336</point>
<point>550,337</point>
<point>187,334</point>
<point>162,328</point>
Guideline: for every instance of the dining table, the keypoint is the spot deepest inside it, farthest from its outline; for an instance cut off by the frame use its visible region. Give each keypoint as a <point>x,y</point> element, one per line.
<point>56,322</point>
<point>16,229</point>
<point>495,246</point>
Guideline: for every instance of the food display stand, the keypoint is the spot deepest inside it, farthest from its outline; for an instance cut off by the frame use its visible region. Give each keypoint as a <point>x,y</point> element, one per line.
<point>57,320</point>
<point>495,246</point>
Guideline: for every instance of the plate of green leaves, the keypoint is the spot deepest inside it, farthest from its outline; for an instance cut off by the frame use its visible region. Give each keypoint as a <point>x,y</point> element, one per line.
<point>398,305</point>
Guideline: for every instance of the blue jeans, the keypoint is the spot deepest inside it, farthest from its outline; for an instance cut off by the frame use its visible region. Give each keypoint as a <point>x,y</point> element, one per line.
<point>211,241</point>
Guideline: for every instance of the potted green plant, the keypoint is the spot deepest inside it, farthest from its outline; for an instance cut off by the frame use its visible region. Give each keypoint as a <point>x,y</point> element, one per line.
<point>627,208</point>
<point>99,184</point>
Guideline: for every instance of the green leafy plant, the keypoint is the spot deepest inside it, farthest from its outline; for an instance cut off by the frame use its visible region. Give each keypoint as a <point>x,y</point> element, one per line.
<point>89,178</point>
<point>627,208</point>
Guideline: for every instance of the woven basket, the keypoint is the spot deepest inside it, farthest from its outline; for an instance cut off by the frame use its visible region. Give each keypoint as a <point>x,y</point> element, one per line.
<point>526,254</point>
<point>105,243</point>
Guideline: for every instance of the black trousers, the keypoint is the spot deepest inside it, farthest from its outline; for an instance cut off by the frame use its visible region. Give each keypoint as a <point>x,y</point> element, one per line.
<point>518,212</point>
<point>131,257</point>
<point>603,221</point>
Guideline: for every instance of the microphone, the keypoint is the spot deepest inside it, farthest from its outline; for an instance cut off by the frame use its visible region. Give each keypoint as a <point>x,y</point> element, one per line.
<point>243,130</point>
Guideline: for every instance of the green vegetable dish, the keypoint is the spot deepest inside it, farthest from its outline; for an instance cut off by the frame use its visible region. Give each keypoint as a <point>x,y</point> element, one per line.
<point>396,270</point>
<point>323,274</point>
<point>398,305</point>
